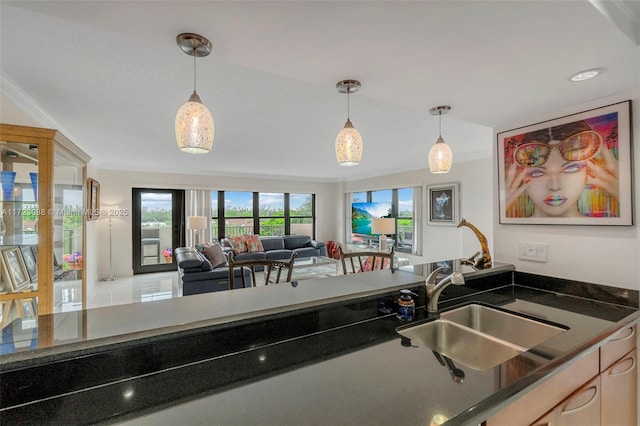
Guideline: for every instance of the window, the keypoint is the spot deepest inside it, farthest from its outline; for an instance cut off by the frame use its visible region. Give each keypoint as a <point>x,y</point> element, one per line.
<point>238,213</point>
<point>214,216</point>
<point>405,224</point>
<point>276,214</point>
<point>271,213</point>
<point>301,214</point>
<point>399,204</point>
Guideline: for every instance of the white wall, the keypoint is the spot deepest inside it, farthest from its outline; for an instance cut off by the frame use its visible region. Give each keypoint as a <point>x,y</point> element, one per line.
<point>476,194</point>
<point>607,255</point>
<point>115,188</point>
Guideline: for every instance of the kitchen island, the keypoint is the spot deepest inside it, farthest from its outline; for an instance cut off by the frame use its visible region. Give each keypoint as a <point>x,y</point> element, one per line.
<point>337,360</point>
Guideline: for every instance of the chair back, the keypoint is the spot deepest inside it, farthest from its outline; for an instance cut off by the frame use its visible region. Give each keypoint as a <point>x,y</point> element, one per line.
<point>271,265</point>
<point>366,260</point>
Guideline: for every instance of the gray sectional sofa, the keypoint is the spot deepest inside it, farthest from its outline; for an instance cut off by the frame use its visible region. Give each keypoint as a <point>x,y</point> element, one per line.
<point>280,247</point>
<point>198,276</point>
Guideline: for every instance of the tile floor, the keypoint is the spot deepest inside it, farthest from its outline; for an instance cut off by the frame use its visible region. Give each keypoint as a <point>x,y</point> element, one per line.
<point>136,289</point>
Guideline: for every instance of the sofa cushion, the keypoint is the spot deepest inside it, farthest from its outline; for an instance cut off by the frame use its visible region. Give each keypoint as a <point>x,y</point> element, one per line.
<point>237,244</point>
<point>188,258</point>
<point>272,243</point>
<point>306,252</point>
<point>253,243</point>
<point>206,265</point>
<point>296,241</point>
<point>215,254</point>
<point>254,255</point>
<point>279,254</point>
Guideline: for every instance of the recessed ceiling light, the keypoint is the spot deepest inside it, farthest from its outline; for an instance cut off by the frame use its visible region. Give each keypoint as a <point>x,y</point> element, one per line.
<point>586,74</point>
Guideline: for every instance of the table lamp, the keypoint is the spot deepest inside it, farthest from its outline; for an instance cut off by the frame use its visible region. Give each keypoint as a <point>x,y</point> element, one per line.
<point>383,226</point>
<point>196,223</point>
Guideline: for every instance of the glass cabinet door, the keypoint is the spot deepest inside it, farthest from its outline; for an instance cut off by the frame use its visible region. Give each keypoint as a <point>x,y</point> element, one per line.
<point>19,217</point>
<point>68,232</point>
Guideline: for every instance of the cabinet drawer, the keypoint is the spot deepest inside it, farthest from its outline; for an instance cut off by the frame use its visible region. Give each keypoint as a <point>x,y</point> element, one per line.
<point>622,343</point>
<point>546,396</point>
<point>620,392</point>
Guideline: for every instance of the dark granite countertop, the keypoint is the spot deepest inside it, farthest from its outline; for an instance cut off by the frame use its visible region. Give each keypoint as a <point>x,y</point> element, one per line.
<point>386,383</point>
<point>338,363</point>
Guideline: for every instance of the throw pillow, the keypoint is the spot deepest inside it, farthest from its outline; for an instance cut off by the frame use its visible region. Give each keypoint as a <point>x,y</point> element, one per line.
<point>237,244</point>
<point>253,243</point>
<point>215,254</point>
<point>368,265</point>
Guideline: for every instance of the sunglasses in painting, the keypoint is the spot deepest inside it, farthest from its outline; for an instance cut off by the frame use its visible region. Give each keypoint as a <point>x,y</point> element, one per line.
<point>582,146</point>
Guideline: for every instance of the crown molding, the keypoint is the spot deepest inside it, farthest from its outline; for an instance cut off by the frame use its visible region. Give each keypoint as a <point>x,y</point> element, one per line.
<point>26,103</point>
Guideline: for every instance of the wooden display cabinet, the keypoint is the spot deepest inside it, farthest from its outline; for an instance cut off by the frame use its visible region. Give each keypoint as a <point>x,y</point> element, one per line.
<point>31,215</point>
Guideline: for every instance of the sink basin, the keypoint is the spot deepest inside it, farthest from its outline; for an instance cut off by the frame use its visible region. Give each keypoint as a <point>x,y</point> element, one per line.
<point>512,327</point>
<point>479,336</point>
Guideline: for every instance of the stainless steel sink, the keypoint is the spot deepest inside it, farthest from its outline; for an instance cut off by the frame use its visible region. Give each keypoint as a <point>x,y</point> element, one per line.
<point>479,336</point>
<point>504,325</point>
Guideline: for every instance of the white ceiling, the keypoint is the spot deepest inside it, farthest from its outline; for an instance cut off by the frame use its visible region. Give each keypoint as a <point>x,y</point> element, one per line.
<point>111,77</point>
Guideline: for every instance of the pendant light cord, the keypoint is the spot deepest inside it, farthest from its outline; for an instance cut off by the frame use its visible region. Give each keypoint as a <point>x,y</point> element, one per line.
<point>440,123</point>
<point>194,68</point>
<point>348,106</point>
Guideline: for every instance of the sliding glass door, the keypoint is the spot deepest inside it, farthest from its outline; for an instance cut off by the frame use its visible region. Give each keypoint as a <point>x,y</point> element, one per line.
<point>158,228</point>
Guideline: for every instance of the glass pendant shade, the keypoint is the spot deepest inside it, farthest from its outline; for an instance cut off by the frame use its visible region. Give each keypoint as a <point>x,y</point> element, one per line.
<point>195,128</point>
<point>440,157</point>
<point>349,146</point>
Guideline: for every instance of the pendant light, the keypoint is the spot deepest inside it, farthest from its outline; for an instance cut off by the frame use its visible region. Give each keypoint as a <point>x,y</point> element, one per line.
<point>194,124</point>
<point>440,155</point>
<point>348,141</point>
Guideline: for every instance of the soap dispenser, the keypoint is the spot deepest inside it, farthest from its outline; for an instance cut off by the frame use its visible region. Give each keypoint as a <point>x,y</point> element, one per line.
<point>406,306</point>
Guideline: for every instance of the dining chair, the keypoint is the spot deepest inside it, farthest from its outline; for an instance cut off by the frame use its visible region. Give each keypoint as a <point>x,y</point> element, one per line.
<point>367,260</point>
<point>271,265</point>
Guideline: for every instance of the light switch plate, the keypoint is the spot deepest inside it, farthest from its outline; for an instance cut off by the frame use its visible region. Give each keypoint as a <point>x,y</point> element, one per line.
<point>536,252</point>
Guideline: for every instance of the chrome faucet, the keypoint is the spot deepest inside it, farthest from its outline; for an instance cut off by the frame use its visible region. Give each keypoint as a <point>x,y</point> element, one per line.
<point>434,290</point>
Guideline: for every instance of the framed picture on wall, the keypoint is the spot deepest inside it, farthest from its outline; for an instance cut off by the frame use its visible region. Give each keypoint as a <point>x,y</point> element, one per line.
<point>572,170</point>
<point>443,204</point>
<point>93,199</point>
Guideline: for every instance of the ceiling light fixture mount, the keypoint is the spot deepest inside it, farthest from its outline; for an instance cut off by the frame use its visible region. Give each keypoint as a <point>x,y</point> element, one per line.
<point>586,74</point>
<point>348,141</point>
<point>440,155</point>
<point>195,128</point>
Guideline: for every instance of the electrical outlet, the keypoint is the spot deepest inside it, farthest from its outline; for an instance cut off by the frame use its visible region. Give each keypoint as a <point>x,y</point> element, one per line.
<point>536,252</point>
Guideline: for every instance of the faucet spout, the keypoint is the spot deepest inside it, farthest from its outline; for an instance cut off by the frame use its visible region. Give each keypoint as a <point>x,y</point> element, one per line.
<point>433,276</point>
<point>433,293</point>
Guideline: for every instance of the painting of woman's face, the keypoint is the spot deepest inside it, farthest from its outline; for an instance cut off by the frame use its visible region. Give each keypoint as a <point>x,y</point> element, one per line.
<point>572,170</point>
<point>555,186</point>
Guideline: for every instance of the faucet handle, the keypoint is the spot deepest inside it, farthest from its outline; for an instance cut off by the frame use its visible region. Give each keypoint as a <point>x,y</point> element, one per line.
<point>433,276</point>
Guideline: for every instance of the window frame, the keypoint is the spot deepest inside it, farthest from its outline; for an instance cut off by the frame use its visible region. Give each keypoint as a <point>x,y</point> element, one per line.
<point>221,217</point>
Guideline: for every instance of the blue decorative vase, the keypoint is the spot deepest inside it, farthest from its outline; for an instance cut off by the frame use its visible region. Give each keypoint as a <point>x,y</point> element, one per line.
<point>34,185</point>
<point>8,179</point>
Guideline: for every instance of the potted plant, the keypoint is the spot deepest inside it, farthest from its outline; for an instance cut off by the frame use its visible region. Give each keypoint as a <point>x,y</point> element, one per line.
<point>73,260</point>
<point>168,254</point>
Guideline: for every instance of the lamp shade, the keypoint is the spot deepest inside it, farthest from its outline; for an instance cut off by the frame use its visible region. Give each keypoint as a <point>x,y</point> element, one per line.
<point>196,222</point>
<point>383,225</point>
<point>440,157</point>
<point>349,146</point>
<point>195,128</point>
